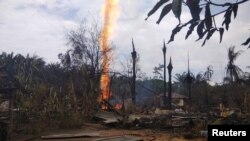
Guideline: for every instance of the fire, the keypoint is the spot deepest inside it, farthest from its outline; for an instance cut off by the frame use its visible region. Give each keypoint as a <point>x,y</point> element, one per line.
<point>110,14</point>
<point>118,106</point>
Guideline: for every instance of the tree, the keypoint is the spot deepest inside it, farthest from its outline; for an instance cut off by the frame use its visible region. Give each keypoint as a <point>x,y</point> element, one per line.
<point>199,78</point>
<point>132,71</point>
<point>158,72</point>
<point>180,78</point>
<point>233,72</point>
<point>8,64</point>
<point>82,62</point>
<point>208,75</point>
<point>181,82</point>
<point>205,27</point>
<point>22,72</point>
<point>31,70</point>
<point>84,46</point>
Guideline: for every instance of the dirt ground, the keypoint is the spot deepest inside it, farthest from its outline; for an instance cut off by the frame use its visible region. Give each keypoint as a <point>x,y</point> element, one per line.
<point>103,131</point>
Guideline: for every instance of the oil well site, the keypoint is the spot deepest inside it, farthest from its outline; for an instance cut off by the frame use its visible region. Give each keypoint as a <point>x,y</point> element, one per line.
<point>114,70</point>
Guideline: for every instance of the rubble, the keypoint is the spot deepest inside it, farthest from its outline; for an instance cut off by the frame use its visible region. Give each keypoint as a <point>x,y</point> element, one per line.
<point>107,117</point>
<point>204,133</point>
<point>179,122</point>
<point>66,136</point>
<point>3,131</point>
<point>121,138</point>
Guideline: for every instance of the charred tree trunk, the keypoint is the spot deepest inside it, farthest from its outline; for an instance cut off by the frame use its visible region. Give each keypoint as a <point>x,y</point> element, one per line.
<point>11,105</point>
<point>189,93</point>
<point>189,83</point>
<point>73,96</point>
<point>170,67</point>
<point>206,93</point>
<point>134,54</point>
<point>164,75</point>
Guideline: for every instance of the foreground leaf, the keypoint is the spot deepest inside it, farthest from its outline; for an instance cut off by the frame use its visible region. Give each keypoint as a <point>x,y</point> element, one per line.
<point>247,42</point>
<point>176,8</point>
<point>221,30</point>
<point>191,29</point>
<point>202,35</point>
<point>194,8</point>
<point>208,17</point>
<point>174,31</point>
<point>209,35</point>
<point>156,7</point>
<point>235,9</point>
<point>227,17</point>
<point>200,29</point>
<point>164,12</point>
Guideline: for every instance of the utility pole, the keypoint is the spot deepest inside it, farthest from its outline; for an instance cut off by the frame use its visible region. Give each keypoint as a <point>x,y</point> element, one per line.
<point>170,68</point>
<point>134,55</point>
<point>164,49</point>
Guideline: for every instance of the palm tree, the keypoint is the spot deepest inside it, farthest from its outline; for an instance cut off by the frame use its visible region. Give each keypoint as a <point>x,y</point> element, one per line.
<point>233,71</point>
<point>199,78</point>
<point>208,75</point>
<point>8,63</point>
<point>209,72</point>
<point>182,80</point>
<point>31,70</point>
<point>8,70</point>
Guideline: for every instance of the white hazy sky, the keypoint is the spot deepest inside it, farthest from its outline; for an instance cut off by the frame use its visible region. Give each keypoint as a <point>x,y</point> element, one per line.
<point>39,27</point>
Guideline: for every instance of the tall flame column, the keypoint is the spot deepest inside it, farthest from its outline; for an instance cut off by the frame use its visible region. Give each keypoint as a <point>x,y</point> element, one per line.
<point>110,14</point>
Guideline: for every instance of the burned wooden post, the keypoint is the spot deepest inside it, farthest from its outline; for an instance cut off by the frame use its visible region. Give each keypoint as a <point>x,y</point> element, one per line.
<point>7,128</point>
<point>11,106</point>
<point>164,49</point>
<point>134,55</point>
<point>189,82</point>
<point>170,68</point>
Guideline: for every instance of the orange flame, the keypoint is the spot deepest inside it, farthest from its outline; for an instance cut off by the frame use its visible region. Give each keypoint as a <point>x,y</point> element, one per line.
<point>110,14</point>
<point>118,106</point>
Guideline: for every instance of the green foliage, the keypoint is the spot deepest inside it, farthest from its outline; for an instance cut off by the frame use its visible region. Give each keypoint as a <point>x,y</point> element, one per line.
<point>164,12</point>
<point>206,26</point>
<point>55,95</point>
<point>176,8</point>
<point>247,42</point>
<point>234,73</point>
<point>157,86</point>
<point>206,97</point>
<point>156,7</point>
